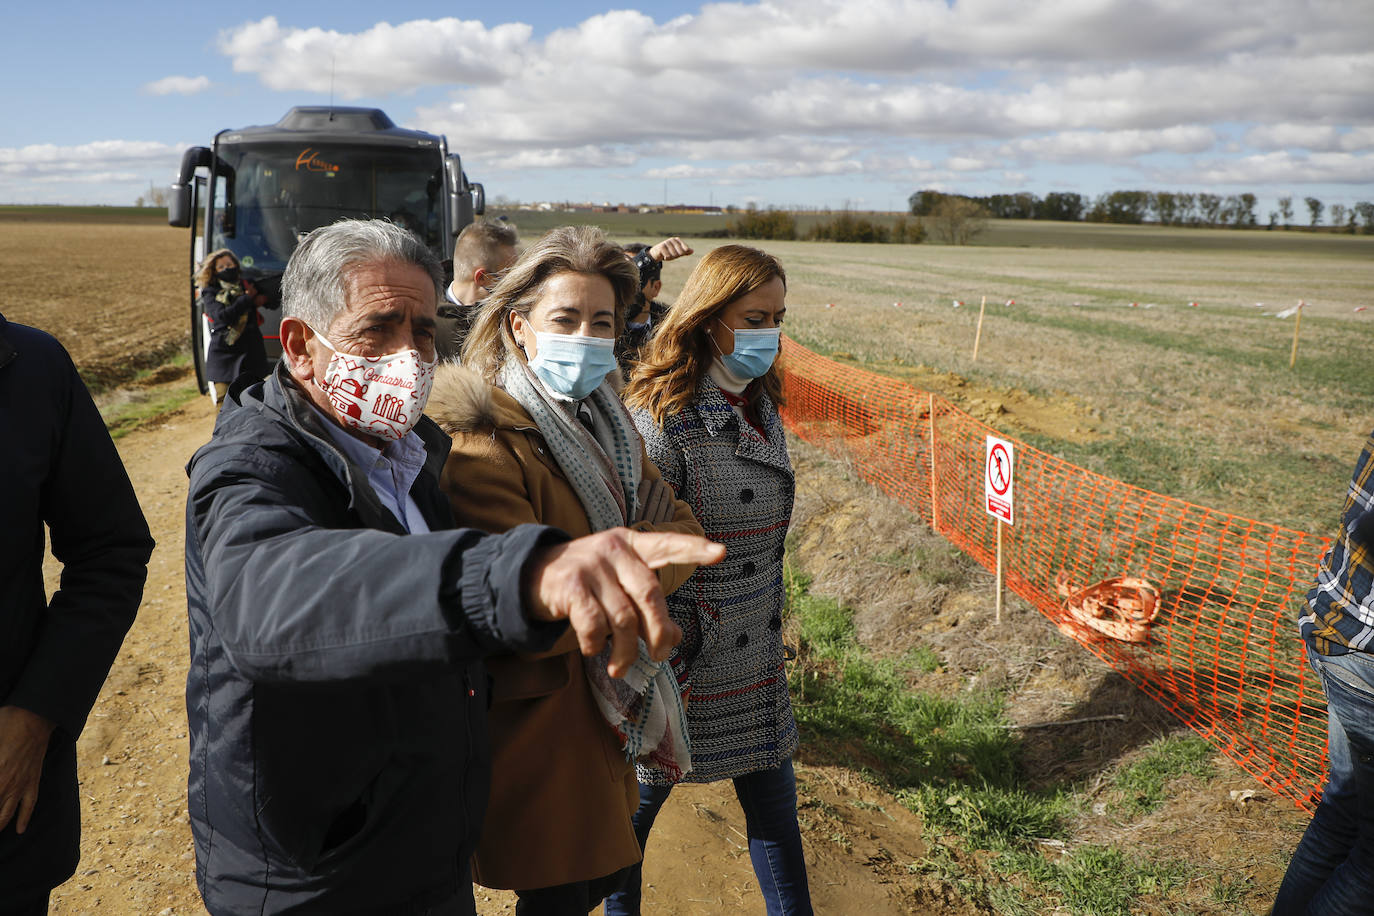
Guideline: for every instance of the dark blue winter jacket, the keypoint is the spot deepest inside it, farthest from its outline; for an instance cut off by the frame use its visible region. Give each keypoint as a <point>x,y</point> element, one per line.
<point>60,468</point>
<point>337,698</point>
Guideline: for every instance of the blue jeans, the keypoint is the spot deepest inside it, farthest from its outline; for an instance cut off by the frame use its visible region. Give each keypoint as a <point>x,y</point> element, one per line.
<point>769,800</point>
<point>1332,870</point>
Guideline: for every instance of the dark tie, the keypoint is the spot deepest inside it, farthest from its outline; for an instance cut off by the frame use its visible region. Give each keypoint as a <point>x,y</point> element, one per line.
<point>584,416</point>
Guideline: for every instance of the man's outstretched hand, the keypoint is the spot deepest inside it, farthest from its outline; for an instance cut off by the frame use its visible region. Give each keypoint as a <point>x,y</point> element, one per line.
<point>605,587</point>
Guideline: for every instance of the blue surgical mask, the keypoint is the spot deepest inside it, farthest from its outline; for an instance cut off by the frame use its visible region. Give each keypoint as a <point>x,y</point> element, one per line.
<point>570,364</point>
<point>754,353</point>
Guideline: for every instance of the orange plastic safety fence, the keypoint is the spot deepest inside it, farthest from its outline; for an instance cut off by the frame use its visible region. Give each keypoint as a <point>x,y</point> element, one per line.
<point>1222,654</point>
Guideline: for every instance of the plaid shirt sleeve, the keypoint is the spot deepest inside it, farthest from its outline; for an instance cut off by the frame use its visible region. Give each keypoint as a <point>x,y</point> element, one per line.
<point>1339,617</point>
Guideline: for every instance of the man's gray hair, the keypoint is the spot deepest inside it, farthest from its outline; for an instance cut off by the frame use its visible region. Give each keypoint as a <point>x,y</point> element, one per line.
<point>312,289</point>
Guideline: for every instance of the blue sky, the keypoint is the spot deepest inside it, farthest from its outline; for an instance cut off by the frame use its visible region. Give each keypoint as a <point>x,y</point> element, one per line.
<point>812,103</point>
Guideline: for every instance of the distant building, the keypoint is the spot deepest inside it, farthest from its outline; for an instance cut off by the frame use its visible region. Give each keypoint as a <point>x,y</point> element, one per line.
<point>699,209</point>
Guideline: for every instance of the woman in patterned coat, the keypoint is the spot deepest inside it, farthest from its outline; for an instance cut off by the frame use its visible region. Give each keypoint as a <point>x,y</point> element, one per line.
<point>705,397</point>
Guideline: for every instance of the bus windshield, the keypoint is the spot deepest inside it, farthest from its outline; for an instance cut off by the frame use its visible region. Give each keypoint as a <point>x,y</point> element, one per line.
<point>268,195</point>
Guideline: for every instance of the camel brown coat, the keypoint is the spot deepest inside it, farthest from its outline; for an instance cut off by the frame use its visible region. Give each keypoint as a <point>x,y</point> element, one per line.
<point>562,792</point>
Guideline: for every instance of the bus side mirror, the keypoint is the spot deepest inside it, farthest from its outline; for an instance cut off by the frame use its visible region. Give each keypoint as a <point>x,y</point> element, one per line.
<point>460,195</point>
<point>479,198</point>
<point>179,205</point>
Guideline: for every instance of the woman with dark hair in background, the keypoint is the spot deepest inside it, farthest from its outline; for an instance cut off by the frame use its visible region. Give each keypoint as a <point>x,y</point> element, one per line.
<point>231,303</point>
<point>705,396</point>
<point>540,436</point>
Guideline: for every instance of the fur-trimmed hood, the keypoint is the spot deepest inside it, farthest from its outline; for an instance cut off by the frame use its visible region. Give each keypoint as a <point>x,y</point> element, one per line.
<point>462,401</point>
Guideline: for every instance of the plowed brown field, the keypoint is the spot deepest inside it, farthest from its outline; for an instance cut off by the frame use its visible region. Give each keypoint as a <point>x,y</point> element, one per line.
<point>117,296</point>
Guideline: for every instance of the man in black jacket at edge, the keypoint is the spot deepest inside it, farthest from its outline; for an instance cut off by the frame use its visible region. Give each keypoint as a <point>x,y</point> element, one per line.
<point>337,698</point>
<point>61,469</point>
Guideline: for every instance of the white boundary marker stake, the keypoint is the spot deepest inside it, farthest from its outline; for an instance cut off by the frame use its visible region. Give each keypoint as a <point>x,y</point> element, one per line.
<point>978,335</point>
<point>999,496</point>
<point>1297,325</point>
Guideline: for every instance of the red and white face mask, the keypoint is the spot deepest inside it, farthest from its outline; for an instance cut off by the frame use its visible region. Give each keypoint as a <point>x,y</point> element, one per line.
<point>382,396</point>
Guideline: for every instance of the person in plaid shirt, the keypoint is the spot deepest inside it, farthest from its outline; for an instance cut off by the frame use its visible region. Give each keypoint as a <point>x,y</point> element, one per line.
<point>1332,870</point>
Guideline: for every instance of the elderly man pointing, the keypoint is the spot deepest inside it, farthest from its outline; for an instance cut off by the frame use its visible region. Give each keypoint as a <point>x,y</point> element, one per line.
<point>337,700</point>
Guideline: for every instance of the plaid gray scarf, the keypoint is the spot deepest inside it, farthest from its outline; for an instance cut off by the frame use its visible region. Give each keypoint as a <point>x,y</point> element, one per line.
<point>605,470</point>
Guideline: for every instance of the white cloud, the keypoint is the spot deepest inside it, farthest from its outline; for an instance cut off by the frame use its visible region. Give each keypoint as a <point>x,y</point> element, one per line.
<point>776,147</point>
<point>757,170</point>
<point>880,89</point>
<point>381,60</point>
<point>580,157</point>
<point>118,166</point>
<point>1280,169</point>
<point>177,85</point>
<point>1323,137</point>
<point>90,178</point>
<point>967,164</point>
<point>107,152</point>
<point>1113,145</point>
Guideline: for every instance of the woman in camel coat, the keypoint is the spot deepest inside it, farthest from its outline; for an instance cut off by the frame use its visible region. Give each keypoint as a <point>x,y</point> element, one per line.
<point>557,828</point>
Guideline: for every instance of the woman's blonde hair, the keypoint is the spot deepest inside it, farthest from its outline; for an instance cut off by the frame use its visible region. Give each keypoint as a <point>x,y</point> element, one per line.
<point>568,249</point>
<point>205,273</point>
<point>680,352</point>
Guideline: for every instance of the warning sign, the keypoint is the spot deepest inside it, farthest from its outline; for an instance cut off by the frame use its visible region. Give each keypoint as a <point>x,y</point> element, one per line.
<point>998,473</point>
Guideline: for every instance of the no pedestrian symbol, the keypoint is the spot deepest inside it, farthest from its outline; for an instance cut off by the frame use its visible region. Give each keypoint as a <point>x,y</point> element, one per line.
<point>997,480</point>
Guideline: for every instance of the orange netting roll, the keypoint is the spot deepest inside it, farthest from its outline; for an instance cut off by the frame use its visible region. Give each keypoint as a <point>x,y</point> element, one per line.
<point>1196,607</point>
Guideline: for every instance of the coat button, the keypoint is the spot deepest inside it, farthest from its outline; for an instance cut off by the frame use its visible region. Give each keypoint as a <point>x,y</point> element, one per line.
<point>775,624</point>
<point>746,495</point>
<point>748,569</point>
<point>742,640</point>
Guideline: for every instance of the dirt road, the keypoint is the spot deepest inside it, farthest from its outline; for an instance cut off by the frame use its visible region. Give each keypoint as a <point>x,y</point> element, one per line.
<point>137,855</point>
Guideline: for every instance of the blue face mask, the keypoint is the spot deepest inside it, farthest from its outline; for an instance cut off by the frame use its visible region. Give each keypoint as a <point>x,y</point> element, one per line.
<point>754,353</point>
<point>570,364</point>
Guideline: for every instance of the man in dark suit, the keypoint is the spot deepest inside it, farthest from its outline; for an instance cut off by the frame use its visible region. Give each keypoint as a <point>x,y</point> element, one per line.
<point>62,470</point>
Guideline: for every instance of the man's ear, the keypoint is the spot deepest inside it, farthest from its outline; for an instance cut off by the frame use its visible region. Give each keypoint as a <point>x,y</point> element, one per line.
<point>295,335</point>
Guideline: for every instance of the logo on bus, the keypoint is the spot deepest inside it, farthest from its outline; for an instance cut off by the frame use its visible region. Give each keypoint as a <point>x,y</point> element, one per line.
<point>311,162</point>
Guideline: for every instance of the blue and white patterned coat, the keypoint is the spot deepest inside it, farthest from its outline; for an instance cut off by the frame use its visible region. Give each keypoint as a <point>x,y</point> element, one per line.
<point>739,485</point>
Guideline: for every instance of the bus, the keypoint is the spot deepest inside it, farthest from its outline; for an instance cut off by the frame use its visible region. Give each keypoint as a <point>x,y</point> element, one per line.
<point>258,190</point>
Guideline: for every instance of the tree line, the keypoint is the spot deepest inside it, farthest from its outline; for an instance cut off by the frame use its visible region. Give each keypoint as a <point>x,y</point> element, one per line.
<point>844,226</point>
<point>1167,208</point>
